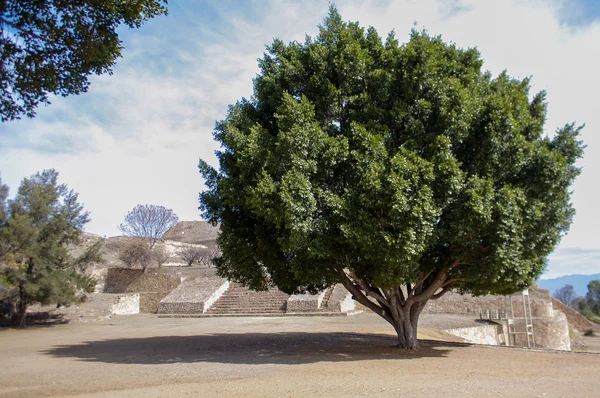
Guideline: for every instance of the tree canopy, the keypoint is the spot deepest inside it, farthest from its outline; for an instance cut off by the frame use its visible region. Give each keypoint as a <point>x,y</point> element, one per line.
<point>52,47</point>
<point>399,170</point>
<point>566,295</point>
<point>590,304</point>
<point>38,225</point>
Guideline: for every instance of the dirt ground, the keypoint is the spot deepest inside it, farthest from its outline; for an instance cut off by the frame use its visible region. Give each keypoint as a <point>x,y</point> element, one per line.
<point>146,356</point>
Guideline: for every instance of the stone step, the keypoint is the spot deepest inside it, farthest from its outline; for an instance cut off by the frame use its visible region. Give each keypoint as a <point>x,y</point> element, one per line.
<point>246,311</point>
<point>255,303</point>
<point>257,315</point>
<point>326,297</point>
<point>254,300</point>
<point>279,305</point>
<point>265,309</point>
<point>239,300</point>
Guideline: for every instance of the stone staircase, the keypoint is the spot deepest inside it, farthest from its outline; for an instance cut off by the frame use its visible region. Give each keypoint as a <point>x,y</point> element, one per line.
<point>326,297</point>
<point>239,300</point>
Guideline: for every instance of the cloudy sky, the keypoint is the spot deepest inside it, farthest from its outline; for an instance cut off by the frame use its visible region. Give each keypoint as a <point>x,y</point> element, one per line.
<point>136,136</point>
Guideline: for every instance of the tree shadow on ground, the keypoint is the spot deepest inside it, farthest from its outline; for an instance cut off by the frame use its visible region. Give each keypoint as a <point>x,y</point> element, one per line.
<point>34,320</point>
<point>247,348</point>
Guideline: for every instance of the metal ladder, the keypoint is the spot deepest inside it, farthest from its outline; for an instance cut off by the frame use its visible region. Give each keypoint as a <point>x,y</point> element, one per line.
<point>527,315</point>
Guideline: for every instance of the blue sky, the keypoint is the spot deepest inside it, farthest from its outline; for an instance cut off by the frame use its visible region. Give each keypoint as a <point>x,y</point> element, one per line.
<point>136,136</point>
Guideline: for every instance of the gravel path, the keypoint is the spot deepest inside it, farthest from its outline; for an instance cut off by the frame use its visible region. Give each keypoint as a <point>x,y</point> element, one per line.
<point>336,356</point>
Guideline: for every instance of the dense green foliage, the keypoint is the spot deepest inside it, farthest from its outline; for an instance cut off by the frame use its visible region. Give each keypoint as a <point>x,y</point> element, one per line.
<point>40,223</point>
<point>383,166</point>
<point>52,46</point>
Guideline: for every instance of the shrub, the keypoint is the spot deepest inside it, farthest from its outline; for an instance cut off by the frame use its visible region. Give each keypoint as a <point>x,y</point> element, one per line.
<point>190,254</point>
<point>136,252</point>
<point>160,255</point>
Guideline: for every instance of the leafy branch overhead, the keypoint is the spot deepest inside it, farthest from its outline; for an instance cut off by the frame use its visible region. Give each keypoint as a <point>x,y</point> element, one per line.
<point>399,170</point>
<point>52,47</point>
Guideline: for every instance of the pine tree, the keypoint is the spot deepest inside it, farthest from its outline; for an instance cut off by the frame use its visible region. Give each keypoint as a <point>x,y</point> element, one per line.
<point>38,225</point>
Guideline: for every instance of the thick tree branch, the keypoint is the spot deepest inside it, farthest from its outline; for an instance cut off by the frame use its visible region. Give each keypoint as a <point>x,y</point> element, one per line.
<point>453,281</point>
<point>422,278</point>
<point>400,294</point>
<point>370,291</point>
<point>444,291</point>
<point>364,300</point>
<point>439,281</point>
<point>430,290</point>
<point>396,310</point>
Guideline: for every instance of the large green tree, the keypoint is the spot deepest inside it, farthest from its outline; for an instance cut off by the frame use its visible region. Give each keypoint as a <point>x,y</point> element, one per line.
<point>36,230</point>
<point>52,46</point>
<point>401,171</point>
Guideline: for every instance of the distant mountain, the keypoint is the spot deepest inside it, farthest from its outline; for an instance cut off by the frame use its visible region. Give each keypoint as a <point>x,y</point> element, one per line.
<point>579,283</point>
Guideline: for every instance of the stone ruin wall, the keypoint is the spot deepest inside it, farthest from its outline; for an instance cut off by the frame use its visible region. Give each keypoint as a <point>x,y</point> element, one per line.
<point>550,326</point>
<point>467,304</point>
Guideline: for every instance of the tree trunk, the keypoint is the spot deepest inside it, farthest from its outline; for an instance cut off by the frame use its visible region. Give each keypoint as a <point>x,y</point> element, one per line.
<point>22,308</point>
<point>400,306</point>
<point>406,326</point>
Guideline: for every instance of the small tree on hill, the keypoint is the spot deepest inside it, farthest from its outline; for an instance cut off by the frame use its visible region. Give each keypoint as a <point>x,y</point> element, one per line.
<point>160,255</point>
<point>136,251</point>
<point>401,171</point>
<point>208,255</point>
<point>566,295</point>
<point>191,254</point>
<point>149,221</point>
<point>43,219</point>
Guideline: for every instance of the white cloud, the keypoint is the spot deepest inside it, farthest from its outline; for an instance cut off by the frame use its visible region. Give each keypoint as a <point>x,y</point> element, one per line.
<point>572,261</point>
<point>137,135</point>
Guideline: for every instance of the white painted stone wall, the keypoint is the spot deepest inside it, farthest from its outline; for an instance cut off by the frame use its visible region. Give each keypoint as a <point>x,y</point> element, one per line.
<point>347,304</point>
<point>127,304</point>
<point>485,334</point>
<point>215,296</point>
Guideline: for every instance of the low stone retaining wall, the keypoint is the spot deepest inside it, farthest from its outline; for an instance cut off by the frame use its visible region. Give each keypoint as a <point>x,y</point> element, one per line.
<point>304,302</point>
<point>340,300</point>
<point>490,334</point>
<point>152,287</point>
<point>467,304</point>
